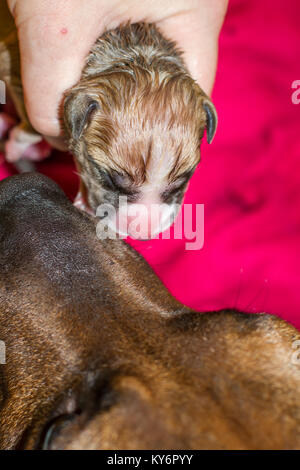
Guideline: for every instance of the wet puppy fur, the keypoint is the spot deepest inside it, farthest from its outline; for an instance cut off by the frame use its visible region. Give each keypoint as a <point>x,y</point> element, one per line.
<point>99,355</point>
<point>136,119</point>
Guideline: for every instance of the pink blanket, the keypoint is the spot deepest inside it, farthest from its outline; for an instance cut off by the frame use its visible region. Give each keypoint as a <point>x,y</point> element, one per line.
<point>248,180</point>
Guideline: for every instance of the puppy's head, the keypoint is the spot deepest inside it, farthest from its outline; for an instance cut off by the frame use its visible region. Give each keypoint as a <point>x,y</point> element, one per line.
<point>136,134</point>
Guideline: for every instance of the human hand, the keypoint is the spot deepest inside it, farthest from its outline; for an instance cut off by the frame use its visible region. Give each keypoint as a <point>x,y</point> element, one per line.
<point>55,38</point>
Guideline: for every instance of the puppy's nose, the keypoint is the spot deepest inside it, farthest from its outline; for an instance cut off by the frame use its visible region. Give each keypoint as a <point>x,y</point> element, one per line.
<point>144,221</point>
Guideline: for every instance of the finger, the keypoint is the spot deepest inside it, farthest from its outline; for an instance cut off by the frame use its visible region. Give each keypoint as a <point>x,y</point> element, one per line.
<point>53,49</point>
<point>196,33</point>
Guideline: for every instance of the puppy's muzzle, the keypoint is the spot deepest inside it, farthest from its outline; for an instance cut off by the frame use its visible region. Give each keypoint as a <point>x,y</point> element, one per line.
<point>139,221</point>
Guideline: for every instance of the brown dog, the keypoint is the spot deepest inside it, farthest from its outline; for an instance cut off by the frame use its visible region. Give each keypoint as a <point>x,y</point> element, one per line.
<point>100,356</point>
<point>135,120</point>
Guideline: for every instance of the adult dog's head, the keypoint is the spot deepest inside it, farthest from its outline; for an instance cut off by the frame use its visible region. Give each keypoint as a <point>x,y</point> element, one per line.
<point>99,355</point>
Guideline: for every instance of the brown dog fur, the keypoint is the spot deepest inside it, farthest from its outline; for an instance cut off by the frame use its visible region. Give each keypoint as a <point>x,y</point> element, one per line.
<point>101,356</point>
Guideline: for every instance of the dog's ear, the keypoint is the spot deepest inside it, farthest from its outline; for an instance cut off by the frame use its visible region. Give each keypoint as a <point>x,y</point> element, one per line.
<point>78,109</point>
<point>211,119</point>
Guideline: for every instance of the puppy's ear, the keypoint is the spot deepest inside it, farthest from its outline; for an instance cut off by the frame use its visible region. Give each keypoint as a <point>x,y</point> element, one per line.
<point>78,109</point>
<point>211,119</point>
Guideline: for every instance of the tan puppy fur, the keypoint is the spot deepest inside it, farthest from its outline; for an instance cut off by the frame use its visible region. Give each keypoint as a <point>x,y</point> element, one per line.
<point>136,119</point>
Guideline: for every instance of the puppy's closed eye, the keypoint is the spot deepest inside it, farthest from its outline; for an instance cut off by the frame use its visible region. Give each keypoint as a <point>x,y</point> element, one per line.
<point>118,181</point>
<point>113,180</point>
<point>177,187</point>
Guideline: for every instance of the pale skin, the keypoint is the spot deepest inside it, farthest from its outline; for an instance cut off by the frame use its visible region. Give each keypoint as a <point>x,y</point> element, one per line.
<point>55,37</point>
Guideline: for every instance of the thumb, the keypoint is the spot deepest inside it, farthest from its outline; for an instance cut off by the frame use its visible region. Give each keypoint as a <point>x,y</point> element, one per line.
<point>52,55</point>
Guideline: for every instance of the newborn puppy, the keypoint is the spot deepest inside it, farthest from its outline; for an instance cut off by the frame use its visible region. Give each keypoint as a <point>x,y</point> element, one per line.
<point>99,355</point>
<point>135,121</point>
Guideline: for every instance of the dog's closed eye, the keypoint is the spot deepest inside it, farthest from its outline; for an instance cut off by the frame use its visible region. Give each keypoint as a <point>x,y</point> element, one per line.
<point>177,186</point>
<point>113,180</point>
<point>116,181</point>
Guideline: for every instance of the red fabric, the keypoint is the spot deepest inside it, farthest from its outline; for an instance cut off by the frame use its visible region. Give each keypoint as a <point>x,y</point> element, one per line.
<point>249,178</point>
